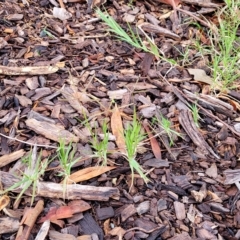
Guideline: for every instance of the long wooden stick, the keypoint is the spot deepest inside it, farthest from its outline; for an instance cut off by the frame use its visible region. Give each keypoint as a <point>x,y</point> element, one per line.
<point>56,190</point>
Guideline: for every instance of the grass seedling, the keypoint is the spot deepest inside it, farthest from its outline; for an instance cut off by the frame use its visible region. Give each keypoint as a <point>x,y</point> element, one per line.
<point>120,33</point>
<point>34,170</point>
<point>44,33</point>
<point>195,114</point>
<point>133,137</point>
<point>65,155</point>
<point>101,146</point>
<point>226,56</point>
<point>166,127</point>
<point>133,39</point>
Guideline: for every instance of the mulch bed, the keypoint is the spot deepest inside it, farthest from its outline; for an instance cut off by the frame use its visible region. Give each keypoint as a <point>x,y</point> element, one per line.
<point>55,74</point>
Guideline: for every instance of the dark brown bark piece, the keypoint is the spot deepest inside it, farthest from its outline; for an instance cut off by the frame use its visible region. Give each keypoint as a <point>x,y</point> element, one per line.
<point>207,4</point>
<point>154,235</point>
<point>156,163</point>
<point>104,213</point>
<point>234,94</point>
<point>148,27</point>
<point>72,229</point>
<point>153,207</point>
<point>41,92</point>
<point>75,218</point>
<point>146,63</point>
<point>143,207</point>
<point>40,117</point>
<point>145,224</point>
<point>204,207</point>
<point>127,212</point>
<point>161,205</point>
<point>24,101</point>
<point>89,226</point>
<point>174,189</point>
<point>182,236</point>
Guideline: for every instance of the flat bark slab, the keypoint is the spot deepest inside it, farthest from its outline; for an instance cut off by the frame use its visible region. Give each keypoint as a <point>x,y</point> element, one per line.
<point>55,190</point>
<point>90,226</point>
<point>51,131</point>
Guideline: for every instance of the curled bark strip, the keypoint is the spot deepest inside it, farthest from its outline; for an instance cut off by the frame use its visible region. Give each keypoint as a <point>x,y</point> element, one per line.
<point>186,120</point>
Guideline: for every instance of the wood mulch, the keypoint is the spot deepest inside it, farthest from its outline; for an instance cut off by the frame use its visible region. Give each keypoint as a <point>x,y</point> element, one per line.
<point>56,74</point>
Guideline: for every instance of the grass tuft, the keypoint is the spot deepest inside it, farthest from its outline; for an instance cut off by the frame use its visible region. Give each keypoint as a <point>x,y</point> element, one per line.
<point>101,146</point>
<point>65,155</point>
<point>33,172</point>
<point>133,138</point>
<point>166,126</point>
<point>133,39</point>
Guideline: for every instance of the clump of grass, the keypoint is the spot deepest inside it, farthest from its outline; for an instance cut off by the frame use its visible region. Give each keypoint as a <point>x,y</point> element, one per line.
<point>166,127</point>
<point>226,56</point>
<point>133,137</point>
<point>133,39</point>
<point>101,146</point>
<point>33,172</point>
<point>65,156</point>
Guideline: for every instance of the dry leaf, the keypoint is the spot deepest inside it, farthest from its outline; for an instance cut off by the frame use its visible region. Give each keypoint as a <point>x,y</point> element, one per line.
<point>117,231</point>
<point>214,197</point>
<point>88,173</point>
<point>200,75</point>
<point>154,143</point>
<point>4,201</point>
<point>117,129</point>
<point>106,226</point>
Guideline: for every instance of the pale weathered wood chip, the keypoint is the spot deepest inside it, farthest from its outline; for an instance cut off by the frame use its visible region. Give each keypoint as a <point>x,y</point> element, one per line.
<point>34,70</point>
<point>51,131</point>
<point>8,158</point>
<point>179,210</point>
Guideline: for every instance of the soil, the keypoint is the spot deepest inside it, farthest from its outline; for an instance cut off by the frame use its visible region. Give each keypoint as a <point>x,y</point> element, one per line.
<point>62,80</point>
